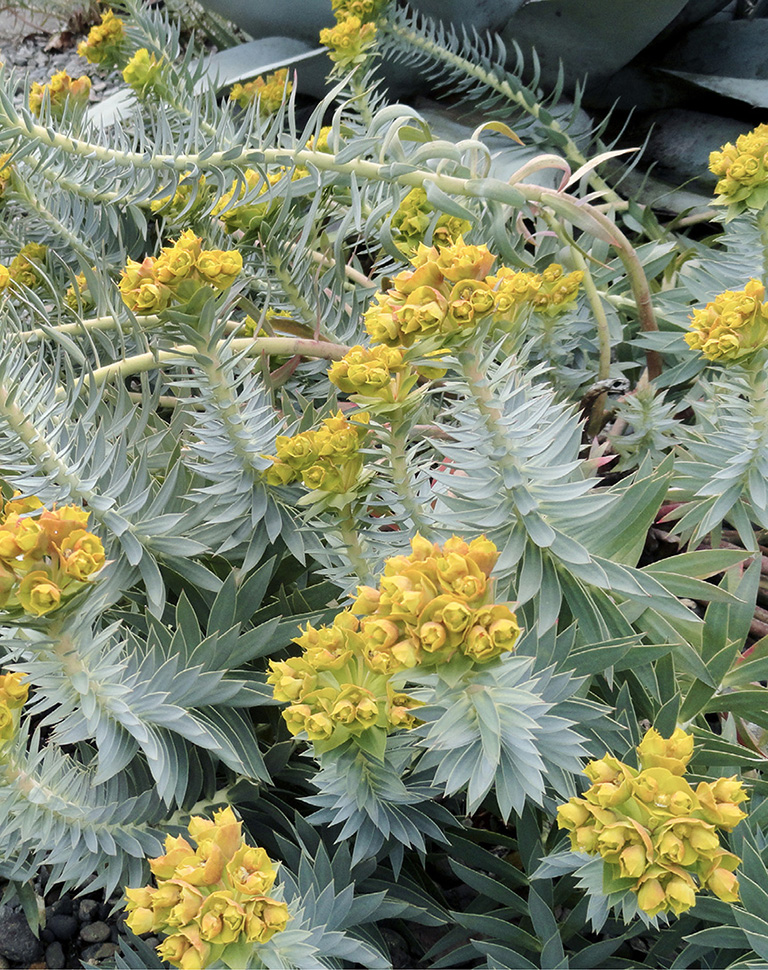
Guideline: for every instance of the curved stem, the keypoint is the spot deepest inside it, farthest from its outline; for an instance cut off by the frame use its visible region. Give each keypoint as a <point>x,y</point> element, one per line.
<point>273,346</point>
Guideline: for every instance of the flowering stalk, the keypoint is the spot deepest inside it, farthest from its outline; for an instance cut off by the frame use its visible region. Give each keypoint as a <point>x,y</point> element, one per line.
<point>273,346</point>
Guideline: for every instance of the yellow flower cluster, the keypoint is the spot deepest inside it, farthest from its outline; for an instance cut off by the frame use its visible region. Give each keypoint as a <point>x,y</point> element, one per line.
<point>271,92</point>
<point>327,458</point>
<point>349,41</point>
<point>657,836</point>
<point>45,556</point>
<point>250,215</point>
<point>556,289</point>
<point>25,267</point>
<point>13,696</point>
<point>79,290</point>
<point>208,897</point>
<point>176,274</point>
<point>105,42</point>
<point>733,327</point>
<point>6,172</point>
<point>742,171</point>
<point>430,608</point>
<point>379,373</point>
<point>412,220</point>
<point>178,202</point>
<point>143,71</point>
<point>60,90</point>
<point>450,291</point>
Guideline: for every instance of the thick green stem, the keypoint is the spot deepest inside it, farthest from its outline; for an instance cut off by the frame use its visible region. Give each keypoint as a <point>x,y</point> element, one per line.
<point>399,429</point>
<point>273,346</point>
<point>352,547</point>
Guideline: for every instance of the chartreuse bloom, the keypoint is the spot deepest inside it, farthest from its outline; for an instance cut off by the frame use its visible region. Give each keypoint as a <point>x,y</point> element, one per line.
<point>430,608</point>
<point>451,290</point>
<point>61,89</point>
<point>106,42</point>
<point>380,373</point>
<point>46,556</point>
<point>270,92</point>
<point>413,218</point>
<point>25,265</point>
<point>349,41</point>
<point>143,72</point>
<point>250,214</point>
<point>733,327</point>
<point>653,830</point>
<point>742,171</point>
<point>78,293</point>
<point>326,459</point>
<point>209,896</point>
<point>177,274</point>
<point>13,696</point>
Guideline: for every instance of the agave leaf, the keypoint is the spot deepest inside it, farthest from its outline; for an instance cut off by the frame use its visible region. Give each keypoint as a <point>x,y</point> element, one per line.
<point>269,54</point>
<point>590,37</point>
<point>752,91</point>
<point>735,49</point>
<point>480,15</point>
<point>289,18</point>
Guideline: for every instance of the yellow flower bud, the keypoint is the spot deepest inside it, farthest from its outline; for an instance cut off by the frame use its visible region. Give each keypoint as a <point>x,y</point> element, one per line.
<point>7,723</point>
<point>672,753</point>
<point>143,72</point>
<point>38,594</point>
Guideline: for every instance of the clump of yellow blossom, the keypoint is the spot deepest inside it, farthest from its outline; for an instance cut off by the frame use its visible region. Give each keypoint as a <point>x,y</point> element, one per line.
<point>6,172</point>
<point>61,90</point>
<point>733,327</point>
<point>379,373</point>
<point>25,265</point>
<point>451,290</point>
<point>271,92</point>
<point>105,43</point>
<point>78,293</point>
<point>46,556</point>
<point>177,274</point>
<point>251,214</point>
<point>413,217</point>
<point>349,41</point>
<point>742,171</point>
<point>325,459</point>
<point>190,194</point>
<point>430,608</point>
<point>211,898</point>
<point>13,696</point>
<point>657,836</point>
<point>143,72</point>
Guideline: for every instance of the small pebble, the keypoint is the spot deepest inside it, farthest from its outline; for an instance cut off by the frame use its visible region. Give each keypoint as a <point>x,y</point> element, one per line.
<point>54,957</point>
<point>63,906</point>
<point>46,936</point>
<point>62,926</point>
<point>100,951</point>
<point>17,941</point>
<point>95,933</point>
<point>87,909</point>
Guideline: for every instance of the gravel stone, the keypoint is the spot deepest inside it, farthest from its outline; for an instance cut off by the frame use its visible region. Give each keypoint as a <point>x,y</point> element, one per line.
<point>17,941</point>
<point>54,957</point>
<point>62,926</point>
<point>63,906</point>
<point>99,951</point>
<point>87,909</point>
<point>95,933</point>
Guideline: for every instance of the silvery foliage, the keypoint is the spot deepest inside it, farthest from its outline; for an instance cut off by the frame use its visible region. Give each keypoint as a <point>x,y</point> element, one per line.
<point>153,682</point>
